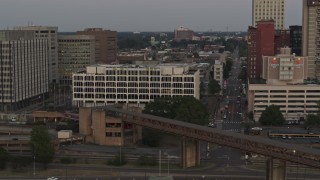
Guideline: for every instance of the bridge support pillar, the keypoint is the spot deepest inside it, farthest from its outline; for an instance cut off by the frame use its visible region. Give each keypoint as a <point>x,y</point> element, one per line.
<point>278,172</point>
<point>190,152</point>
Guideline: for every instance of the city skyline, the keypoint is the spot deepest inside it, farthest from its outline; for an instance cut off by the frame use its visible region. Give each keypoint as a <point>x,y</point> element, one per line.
<point>138,15</point>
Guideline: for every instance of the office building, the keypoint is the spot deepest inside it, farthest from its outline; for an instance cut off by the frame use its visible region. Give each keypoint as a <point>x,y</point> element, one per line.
<point>268,10</point>
<point>281,39</point>
<point>23,68</point>
<point>75,53</point>
<point>296,39</point>
<point>183,33</point>
<point>284,86</point>
<point>260,43</point>
<point>311,36</point>
<point>105,44</point>
<point>103,85</point>
<point>51,34</point>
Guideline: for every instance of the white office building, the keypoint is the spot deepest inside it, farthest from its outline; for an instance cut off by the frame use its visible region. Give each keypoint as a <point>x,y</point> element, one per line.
<point>51,34</point>
<point>23,69</point>
<point>102,85</point>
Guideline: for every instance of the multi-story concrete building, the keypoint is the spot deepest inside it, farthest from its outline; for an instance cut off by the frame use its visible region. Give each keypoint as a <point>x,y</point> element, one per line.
<point>311,36</point>
<point>51,34</point>
<point>268,10</point>
<point>284,87</point>
<point>296,39</point>
<point>75,53</point>
<point>218,72</point>
<point>183,33</point>
<point>102,85</point>
<point>106,46</point>
<point>23,69</point>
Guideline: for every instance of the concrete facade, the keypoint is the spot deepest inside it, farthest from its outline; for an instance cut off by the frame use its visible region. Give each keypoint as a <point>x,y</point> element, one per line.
<point>24,69</point>
<point>103,85</point>
<point>268,10</point>
<point>218,73</point>
<point>284,87</point>
<point>310,36</point>
<point>75,53</point>
<point>51,35</point>
<point>105,44</point>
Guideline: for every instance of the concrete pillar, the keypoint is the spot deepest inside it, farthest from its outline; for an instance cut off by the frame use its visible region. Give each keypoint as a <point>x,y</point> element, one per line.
<point>190,152</point>
<point>278,172</point>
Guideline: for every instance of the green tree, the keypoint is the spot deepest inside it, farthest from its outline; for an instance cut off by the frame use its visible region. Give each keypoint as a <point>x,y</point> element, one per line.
<point>272,116</point>
<point>192,111</point>
<point>312,121</point>
<point>214,87</point>
<point>4,157</point>
<point>250,116</point>
<point>41,145</point>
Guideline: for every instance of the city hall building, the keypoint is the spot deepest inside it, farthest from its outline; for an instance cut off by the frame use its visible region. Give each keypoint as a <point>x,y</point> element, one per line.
<point>284,86</point>
<point>102,85</point>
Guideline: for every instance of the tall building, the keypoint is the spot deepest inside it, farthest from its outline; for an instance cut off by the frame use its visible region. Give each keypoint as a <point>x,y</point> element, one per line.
<point>103,85</point>
<point>183,33</point>
<point>23,69</point>
<point>75,52</point>
<point>281,39</point>
<point>106,44</point>
<point>284,86</point>
<point>252,52</point>
<point>296,39</point>
<point>311,36</point>
<point>51,34</point>
<point>261,43</point>
<point>268,10</point>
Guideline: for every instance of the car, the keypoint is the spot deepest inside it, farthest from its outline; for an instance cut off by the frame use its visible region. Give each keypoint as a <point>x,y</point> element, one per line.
<point>211,124</point>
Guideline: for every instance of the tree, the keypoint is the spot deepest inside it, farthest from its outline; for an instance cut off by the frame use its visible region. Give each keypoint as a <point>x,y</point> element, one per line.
<point>4,157</point>
<point>214,87</point>
<point>272,116</point>
<point>192,111</point>
<point>312,121</point>
<point>119,160</point>
<point>250,116</point>
<point>41,145</point>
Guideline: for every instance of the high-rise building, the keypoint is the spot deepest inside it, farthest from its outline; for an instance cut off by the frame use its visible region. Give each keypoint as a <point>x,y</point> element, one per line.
<point>183,33</point>
<point>23,69</point>
<point>311,36</point>
<point>252,52</point>
<point>106,44</point>
<point>268,10</point>
<point>51,34</point>
<point>75,53</point>
<point>260,43</point>
<point>281,39</point>
<point>104,85</point>
<point>296,39</point>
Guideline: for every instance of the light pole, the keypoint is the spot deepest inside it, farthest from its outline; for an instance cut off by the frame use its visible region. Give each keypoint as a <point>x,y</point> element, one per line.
<point>34,166</point>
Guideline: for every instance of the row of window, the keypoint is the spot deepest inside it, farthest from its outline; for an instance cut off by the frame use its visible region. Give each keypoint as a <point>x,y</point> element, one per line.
<point>126,96</point>
<point>133,78</point>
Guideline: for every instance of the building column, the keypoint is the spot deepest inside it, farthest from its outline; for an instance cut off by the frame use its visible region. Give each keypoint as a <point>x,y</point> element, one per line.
<point>278,172</point>
<point>190,152</point>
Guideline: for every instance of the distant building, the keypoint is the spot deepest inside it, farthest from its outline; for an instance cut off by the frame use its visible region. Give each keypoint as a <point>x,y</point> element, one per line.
<point>311,36</point>
<point>106,44</point>
<point>268,10</point>
<point>218,73</point>
<point>24,69</point>
<point>296,39</point>
<point>104,85</point>
<point>51,34</point>
<point>183,33</point>
<point>75,53</point>
<point>284,86</point>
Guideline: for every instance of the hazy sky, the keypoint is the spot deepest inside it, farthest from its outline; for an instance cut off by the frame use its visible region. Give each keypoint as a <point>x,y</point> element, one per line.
<point>137,15</point>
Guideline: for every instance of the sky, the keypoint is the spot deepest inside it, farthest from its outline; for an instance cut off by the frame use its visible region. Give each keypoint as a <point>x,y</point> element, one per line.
<point>137,15</point>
